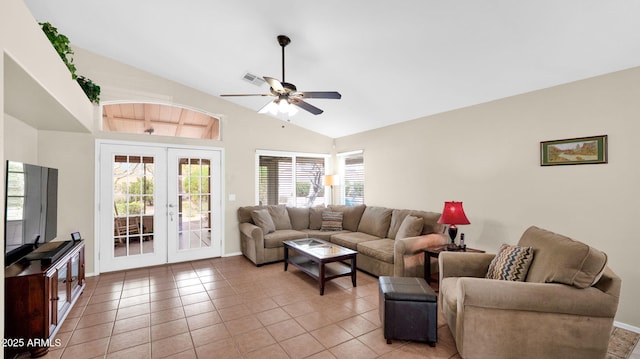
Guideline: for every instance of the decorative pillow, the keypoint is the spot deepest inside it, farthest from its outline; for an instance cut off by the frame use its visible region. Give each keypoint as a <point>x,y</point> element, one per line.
<point>350,215</point>
<point>511,263</point>
<point>331,221</point>
<point>560,259</point>
<point>299,217</point>
<point>315,216</point>
<point>280,216</point>
<point>411,227</point>
<point>262,219</point>
<point>375,221</point>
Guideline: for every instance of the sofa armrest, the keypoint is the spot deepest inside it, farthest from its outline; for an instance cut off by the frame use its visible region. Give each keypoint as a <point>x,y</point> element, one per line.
<point>534,297</point>
<point>463,264</point>
<point>252,231</point>
<point>408,257</point>
<point>252,242</point>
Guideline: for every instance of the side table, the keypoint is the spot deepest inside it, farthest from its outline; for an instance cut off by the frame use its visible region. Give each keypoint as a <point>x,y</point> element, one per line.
<point>434,252</point>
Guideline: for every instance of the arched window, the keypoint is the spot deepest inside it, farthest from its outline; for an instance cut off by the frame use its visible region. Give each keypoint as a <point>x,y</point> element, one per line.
<point>159,120</point>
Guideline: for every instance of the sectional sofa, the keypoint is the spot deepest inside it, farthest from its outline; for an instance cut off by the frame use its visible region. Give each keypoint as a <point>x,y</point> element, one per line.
<point>389,241</point>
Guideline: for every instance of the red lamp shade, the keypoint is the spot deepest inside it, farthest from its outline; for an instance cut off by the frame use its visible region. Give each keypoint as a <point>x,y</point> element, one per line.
<point>453,213</point>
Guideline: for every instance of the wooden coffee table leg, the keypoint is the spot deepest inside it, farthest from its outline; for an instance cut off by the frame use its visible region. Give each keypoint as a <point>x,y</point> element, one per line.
<point>321,278</point>
<point>353,271</point>
<point>286,258</point>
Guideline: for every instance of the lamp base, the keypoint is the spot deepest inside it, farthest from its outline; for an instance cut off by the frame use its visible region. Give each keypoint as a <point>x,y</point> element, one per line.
<point>453,247</point>
<point>453,232</point>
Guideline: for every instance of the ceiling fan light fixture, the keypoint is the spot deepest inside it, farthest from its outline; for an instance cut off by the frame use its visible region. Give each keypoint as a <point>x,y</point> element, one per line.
<point>282,90</point>
<point>283,106</point>
<point>292,110</point>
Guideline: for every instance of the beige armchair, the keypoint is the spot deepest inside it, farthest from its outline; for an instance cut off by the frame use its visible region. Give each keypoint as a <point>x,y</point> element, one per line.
<point>564,309</point>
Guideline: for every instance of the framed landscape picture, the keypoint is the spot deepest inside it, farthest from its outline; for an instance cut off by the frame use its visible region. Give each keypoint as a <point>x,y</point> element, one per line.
<point>574,151</point>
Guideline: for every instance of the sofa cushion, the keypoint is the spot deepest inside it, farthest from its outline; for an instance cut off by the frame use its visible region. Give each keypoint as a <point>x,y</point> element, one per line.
<point>351,215</point>
<point>430,221</point>
<point>331,221</point>
<point>351,239</point>
<point>411,227</point>
<point>375,221</point>
<point>380,249</point>
<point>262,219</point>
<point>511,263</point>
<point>274,239</point>
<point>560,259</point>
<point>315,217</point>
<point>280,217</point>
<point>324,235</point>
<point>299,217</point>
<point>244,213</point>
<point>431,224</point>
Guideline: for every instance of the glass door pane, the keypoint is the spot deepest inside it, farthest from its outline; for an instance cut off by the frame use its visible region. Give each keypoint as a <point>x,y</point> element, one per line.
<point>63,298</point>
<point>194,204</point>
<point>133,208</point>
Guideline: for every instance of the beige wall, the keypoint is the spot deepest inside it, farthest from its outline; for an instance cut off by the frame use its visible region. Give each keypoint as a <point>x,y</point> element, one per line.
<point>243,132</point>
<point>488,157</point>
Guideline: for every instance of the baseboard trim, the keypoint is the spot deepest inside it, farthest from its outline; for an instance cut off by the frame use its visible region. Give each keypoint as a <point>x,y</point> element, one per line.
<point>232,254</point>
<point>627,327</point>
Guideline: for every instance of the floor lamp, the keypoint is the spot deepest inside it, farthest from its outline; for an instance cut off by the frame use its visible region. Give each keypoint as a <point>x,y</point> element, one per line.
<point>331,180</point>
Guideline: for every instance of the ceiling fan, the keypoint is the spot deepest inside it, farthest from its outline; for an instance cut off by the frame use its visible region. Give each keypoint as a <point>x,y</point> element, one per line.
<point>287,94</point>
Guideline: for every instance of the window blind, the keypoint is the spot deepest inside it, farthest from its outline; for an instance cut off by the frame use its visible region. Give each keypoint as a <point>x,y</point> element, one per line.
<point>353,174</point>
<point>279,183</point>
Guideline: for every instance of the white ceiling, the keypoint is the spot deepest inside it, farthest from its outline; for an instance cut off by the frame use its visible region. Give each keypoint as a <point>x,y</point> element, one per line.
<point>391,61</point>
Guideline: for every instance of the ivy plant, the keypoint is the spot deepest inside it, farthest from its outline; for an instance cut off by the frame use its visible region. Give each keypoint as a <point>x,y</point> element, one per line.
<point>61,43</point>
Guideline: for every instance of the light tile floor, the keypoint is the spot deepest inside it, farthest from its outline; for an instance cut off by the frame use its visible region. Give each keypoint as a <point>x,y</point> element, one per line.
<point>228,308</point>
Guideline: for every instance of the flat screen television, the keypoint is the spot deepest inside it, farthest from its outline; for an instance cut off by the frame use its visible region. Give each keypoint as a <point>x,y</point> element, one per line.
<point>31,203</point>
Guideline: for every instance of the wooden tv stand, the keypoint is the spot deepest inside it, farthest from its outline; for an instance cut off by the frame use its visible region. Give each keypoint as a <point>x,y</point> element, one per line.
<point>38,298</point>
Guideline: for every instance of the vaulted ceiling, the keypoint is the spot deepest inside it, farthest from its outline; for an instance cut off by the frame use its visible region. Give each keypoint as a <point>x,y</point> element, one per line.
<point>391,61</point>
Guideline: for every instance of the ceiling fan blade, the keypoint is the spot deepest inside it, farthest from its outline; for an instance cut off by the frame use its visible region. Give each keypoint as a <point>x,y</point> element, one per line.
<point>246,94</point>
<point>306,106</point>
<point>275,84</point>
<point>320,94</point>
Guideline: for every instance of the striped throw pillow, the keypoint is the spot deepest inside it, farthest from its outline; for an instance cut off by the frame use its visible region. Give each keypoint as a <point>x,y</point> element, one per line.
<point>331,221</point>
<point>511,263</point>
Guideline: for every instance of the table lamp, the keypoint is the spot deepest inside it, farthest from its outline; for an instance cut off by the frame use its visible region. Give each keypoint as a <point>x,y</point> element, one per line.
<point>453,214</point>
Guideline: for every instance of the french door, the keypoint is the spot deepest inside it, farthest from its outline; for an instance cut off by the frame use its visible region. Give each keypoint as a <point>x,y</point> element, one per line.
<point>194,205</point>
<point>158,205</point>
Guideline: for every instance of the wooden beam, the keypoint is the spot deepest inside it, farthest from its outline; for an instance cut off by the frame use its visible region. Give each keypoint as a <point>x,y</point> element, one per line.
<point>180,122</point>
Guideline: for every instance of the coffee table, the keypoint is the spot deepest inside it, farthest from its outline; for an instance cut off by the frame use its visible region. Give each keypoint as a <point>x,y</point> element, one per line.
<point>318,259</point>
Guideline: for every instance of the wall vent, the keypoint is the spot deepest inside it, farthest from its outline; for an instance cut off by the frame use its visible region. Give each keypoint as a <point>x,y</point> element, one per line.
<point>256,80</point>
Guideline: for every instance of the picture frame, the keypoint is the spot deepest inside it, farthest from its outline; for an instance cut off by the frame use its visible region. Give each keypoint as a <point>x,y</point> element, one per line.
<point>574,151</point>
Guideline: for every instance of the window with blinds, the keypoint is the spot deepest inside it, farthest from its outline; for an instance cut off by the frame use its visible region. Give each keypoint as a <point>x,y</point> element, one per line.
<point>295,181</point>
<point>352,166</point>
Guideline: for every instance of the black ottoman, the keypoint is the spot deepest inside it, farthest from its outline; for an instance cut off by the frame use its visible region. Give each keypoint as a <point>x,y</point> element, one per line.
<point>408,309</point>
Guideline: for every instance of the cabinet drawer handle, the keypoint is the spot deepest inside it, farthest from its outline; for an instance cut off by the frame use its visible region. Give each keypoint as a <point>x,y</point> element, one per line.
<point>55,298</point>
